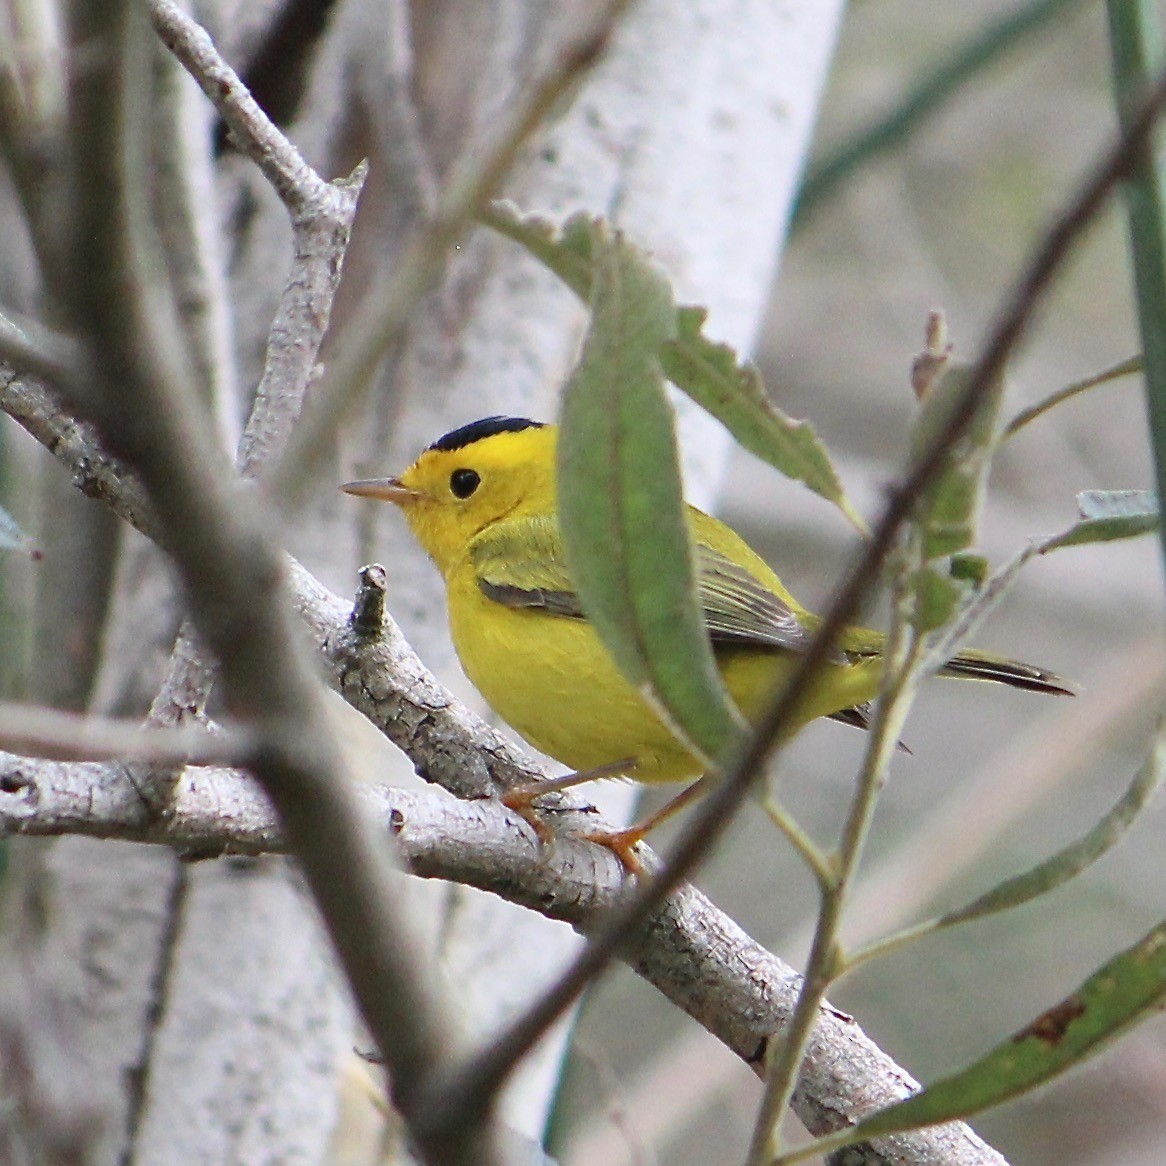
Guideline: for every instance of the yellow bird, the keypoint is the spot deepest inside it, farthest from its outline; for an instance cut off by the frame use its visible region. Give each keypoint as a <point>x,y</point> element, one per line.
<point>482,503</point>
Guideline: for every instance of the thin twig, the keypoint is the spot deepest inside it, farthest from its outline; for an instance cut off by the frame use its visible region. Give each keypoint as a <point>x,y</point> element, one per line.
<point>253,132</point>
<point>899,682</point>
<point>1123,368</point>
<point>31,347</point>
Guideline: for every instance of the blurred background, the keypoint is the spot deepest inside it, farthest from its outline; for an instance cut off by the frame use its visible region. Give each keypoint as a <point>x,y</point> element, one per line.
<point>997,779</point>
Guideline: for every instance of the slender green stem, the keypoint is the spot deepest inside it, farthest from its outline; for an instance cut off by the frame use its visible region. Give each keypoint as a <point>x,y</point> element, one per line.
<point>808,850</point>
<point>785,1056</point>
<point>877,948</point>
<point>926,98</point>
<point>1138,60</point>
<point>1124,368</point>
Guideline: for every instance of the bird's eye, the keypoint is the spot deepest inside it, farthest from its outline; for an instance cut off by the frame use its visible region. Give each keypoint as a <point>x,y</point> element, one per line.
<point>463,483</point>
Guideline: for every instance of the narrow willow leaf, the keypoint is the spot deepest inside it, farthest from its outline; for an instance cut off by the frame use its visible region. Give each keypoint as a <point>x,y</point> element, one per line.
<point>949,511</point>
<point>710,373</point>
<point>1117,503</point>
<point>1124,991</point>
<point>1075,857</point>
<point>1108,515</point>
<point>937,597</point>
<point>566,251</point>
<point>620,503</point>
<point>733,392</point>
<point>1131,365</point>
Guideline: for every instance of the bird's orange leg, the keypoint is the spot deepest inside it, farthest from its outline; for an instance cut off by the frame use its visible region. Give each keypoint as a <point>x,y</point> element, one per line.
<point>623,843</point>
<point>521,798</point>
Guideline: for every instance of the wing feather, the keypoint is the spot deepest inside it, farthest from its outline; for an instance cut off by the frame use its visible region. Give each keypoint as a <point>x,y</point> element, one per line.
<point>520,563</point>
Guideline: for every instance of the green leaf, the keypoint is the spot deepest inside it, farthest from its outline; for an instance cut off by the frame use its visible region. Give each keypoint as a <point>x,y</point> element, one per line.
<point>710,373</point>
<point>621,509</point>
<point>937,597</point>
<point>948,512</point>
<point>733,392</point>
<point>566,251</point>
<point>1125,368</point>
<point>1124,991</point>
<point>971,568</point>
<point>1117,503</point>
<point>1075,857</point>
<point>1108,515</point>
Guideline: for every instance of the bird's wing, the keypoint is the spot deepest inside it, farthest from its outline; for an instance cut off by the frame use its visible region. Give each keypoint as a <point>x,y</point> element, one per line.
<point>739,609</point>
<point>520,563</point>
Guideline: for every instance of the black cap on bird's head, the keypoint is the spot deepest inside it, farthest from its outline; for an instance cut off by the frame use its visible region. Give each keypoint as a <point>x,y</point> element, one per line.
<point>467,434</point>
<point>395,490</point>
<point>473,476</point>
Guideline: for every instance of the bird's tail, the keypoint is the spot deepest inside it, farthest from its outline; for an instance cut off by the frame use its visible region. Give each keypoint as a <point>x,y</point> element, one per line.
<point>982,666</point>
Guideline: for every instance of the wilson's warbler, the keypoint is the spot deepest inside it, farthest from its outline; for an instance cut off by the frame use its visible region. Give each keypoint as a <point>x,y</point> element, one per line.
<point>481,501</point>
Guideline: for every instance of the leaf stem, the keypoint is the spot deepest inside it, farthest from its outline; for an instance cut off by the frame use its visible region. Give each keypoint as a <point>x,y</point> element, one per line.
<point>808,850</point>
<point>1127,367</point>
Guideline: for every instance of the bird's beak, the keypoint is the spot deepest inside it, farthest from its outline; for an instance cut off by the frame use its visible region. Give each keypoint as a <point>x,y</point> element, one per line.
<point>383,489</point>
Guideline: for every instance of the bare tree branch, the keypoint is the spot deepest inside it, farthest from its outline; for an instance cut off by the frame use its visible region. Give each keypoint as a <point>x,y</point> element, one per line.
<point>251,130</point>
<point>691,951</point>
<point>136,391</point>
<point>472,840</point>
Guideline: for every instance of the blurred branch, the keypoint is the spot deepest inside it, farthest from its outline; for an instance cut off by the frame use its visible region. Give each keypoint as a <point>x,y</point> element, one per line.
<point>54,735</point>
<point>1135,32</point>
<point>692,952</point>
<point>32,347</point>
<point>185,200</point>
<point>923,101</point>
<point>231,571</point>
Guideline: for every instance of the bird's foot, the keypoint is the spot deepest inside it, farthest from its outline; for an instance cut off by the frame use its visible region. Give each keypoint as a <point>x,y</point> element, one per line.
<point>521,801</point>
<point>521,798</point>
<point>623,844</point>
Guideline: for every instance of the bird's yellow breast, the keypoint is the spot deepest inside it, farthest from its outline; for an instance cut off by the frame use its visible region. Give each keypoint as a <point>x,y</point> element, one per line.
<point>552,680</point>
